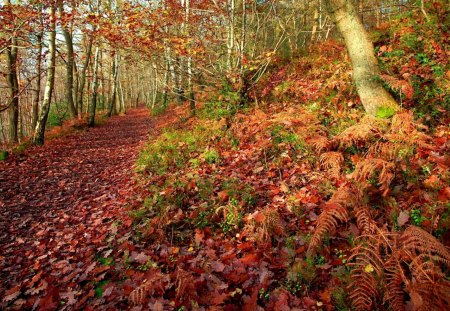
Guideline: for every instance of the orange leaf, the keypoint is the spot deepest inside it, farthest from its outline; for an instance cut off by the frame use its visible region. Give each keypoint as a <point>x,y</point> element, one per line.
<point>250,259</point>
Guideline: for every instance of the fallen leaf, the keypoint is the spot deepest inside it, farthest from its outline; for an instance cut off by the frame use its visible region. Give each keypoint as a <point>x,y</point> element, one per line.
<point>402,218</point>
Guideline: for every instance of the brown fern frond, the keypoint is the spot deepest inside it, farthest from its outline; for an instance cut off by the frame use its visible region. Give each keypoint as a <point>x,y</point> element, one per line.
<point>347,197</point>
<point>403,123</point>
<point>367,270</point>
<point>263,225</point>
<point>412,139</point>
<point>332,161</point>
<point>428,288</point>
<point>404,130</point>
<point>185,285</point>
<point>154,283</point>
<point>395,285</point>
<point>319,143</point>
<point>386,150</point>
<point>400,85</point>
<point>367,129</point>
<point>417,242</point>
<point>364,221</point>
<point>327,222</point>
<point>366,169</point>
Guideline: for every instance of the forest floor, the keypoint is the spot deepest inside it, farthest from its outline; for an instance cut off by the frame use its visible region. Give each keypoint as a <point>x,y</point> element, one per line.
<point>60,204</point>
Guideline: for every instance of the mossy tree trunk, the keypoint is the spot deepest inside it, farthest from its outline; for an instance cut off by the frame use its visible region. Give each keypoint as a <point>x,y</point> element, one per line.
<point>38,137</point>
<point>69,63</point>
<point>93,103</point>
<point>83,75</point>
<point>366,72</point>
<point>13,86</point>
<point>35,106</point>
<point>115,77</point>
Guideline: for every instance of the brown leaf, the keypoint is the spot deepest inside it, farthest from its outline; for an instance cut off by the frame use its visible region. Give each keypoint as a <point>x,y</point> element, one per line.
<point>402,218</point>
<point>250,259</point>
<point>12,294</point>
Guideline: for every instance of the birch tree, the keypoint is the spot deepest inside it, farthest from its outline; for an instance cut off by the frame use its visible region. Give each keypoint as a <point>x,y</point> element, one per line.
<point>69,62</point>
<point>375,99</point>
<point>38,137</point>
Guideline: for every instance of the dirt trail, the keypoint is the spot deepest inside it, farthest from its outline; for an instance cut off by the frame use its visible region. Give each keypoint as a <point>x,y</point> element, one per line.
<point>59,204</point>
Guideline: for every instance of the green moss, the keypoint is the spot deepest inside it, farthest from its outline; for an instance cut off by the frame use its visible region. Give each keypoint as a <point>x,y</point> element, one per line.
<point>3,155</point>
<point>211,156</point>
<point>385,112</point>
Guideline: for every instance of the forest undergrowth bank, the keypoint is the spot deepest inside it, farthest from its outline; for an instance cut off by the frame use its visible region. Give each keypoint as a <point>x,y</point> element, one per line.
<point>300,200</point>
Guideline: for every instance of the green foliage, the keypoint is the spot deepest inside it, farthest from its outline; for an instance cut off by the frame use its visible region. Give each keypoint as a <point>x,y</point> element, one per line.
<point>3,155</point>
<point>300,276</point>
<point>175,148</point>
<point>203,217</point>
<point>99,288</point>
<point>109,261</point>
<point>211,156</point>
<point>239,191</point>
<point>339,296</point>
<point>217,110</point>
<point>416,217</point>
<point>415,57</point>
<point>232,216</point>
<point>385,112</point>
<point>158,110</point>
<point>58,114</point>
<point>285,140</point>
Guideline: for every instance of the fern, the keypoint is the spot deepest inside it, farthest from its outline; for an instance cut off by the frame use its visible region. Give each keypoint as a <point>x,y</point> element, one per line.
<point>395,285</point>
<point>402,86</point>
<point>404,265</point>
<point>366,169</point>
<point>418,242</point>
<point>367,271</point>
<point>155,283</point>
<point>367,129</point>
<point>327,222</point>
<point>332,161</point>
<point>347,196</point>
<point>319,143</point>
<point>364,222</point>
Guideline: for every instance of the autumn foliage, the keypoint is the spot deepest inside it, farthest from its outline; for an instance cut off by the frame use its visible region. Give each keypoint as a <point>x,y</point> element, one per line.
<point>294,199</point>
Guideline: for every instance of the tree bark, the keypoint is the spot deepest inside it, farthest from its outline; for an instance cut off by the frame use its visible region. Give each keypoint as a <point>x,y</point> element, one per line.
<point>115,75</point>
<point>230,34</point>
<point>69,64</point>
<point>93,104</point>
<point>375,99</point>
<point>83,75</point>
<point>38,138</point>
<point>35,105</point>
<point>189,63</point>
<point>13,86</point>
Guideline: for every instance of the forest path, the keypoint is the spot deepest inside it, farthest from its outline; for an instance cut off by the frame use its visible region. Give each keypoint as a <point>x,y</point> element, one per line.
<point>59,205</point>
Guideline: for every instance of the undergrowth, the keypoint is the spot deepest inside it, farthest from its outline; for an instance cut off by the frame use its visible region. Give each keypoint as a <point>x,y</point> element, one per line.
<point>304,199</point>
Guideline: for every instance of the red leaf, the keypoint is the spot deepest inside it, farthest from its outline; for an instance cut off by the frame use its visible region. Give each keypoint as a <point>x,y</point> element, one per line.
<point>12,294</point>
<point>250,259</point>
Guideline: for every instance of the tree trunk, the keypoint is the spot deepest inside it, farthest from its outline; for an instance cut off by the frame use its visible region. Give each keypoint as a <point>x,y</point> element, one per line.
<point>123,107</point>
<point>83,75</point>
<point>93,104</point>
<point>13,87</point>
<point>38,138</point>
<point>179,82</point>
<point>375,99</point>
<point>69,64</point>
<point>315,23</point>
<point>230,35</point>
<point>35,106</point>
<point>115,75</point>
<point>189,64</point>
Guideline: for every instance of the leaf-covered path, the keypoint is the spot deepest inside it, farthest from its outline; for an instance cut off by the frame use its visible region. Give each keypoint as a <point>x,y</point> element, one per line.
<point>59,205</point>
